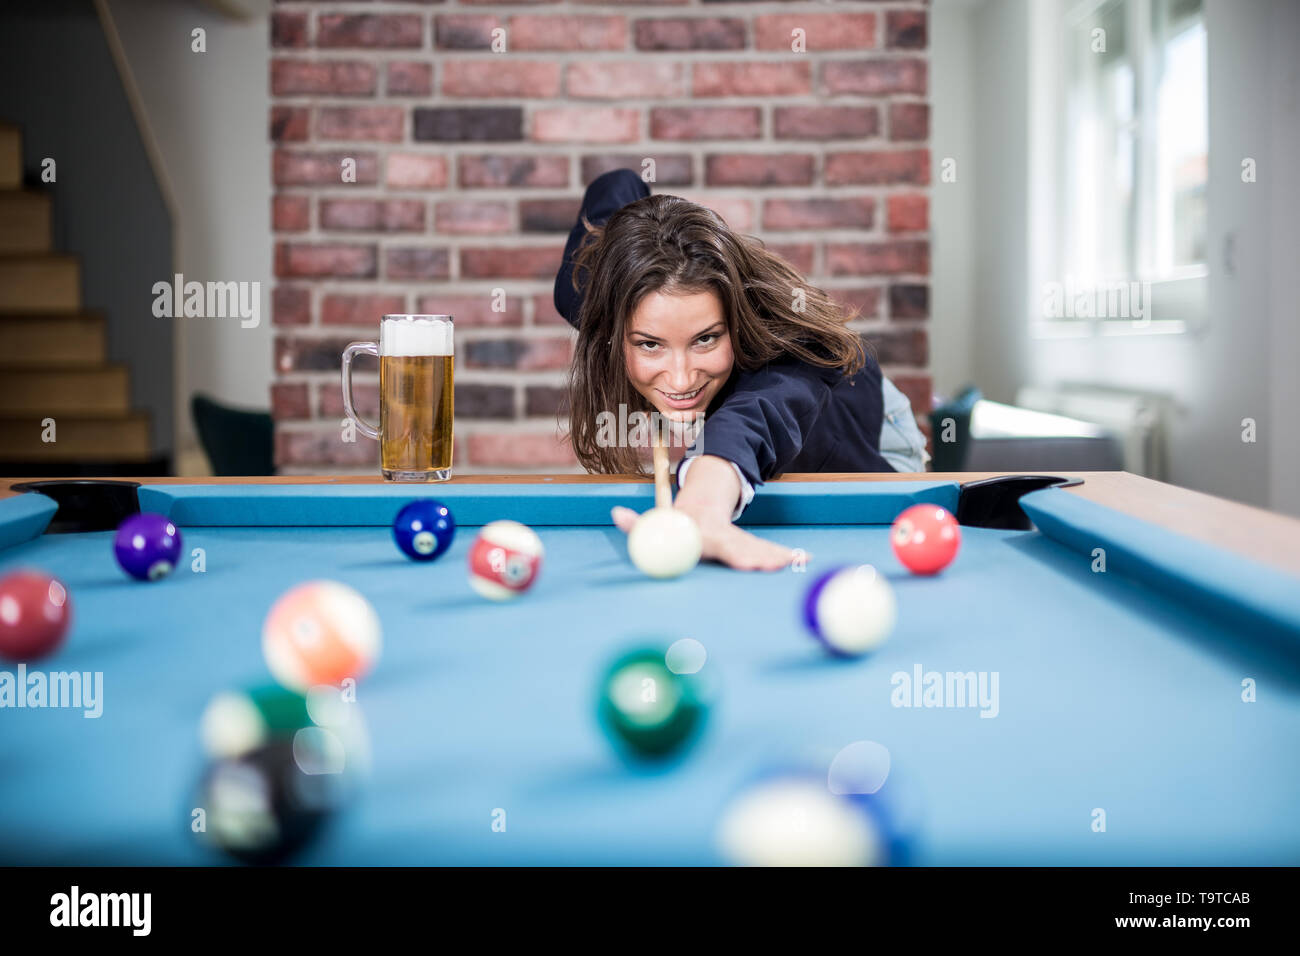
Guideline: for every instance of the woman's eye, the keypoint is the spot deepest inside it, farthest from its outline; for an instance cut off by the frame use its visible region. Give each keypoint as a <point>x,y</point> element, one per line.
<point>647,346</point>
<point>707,339</point>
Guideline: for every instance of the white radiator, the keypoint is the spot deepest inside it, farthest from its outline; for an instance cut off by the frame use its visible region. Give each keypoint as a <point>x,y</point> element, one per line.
<point>1138,420</point>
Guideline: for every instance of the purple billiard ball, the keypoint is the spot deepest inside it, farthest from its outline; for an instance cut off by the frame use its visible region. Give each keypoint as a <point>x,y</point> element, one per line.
<point>147,546</point>
<point>850,610</point>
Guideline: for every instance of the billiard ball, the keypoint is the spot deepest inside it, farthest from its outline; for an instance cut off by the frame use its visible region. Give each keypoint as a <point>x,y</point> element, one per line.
<point>423,529</point>
<point>266,805</point>
<point>850,610</point>
<point>648,711</point>
<point>147,546</point>
<point>237,722</point>
<point>925,538</point>
<point>321,632</point>
<point>35,613</point>
<point>793,819</point>
<point>504,560</point>
<point>664,543</point>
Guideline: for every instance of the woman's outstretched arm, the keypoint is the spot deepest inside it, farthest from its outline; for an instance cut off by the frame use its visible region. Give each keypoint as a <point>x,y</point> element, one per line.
<point>710,494</point>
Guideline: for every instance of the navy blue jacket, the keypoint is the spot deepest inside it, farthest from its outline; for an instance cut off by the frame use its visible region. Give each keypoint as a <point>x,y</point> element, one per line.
<point>787,416</point>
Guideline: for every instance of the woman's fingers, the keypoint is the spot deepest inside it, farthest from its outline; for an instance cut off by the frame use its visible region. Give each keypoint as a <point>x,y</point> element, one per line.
<point>725,543</point>
<point>624,518</point>
<point>746,552</point>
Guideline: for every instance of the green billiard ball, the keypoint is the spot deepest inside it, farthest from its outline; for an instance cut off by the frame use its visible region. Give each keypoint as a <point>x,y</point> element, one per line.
<point>240,721</point>
<point>648,711</point>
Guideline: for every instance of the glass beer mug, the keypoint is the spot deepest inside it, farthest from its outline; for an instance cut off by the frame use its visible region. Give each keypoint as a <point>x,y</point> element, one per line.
<point>415,396</point>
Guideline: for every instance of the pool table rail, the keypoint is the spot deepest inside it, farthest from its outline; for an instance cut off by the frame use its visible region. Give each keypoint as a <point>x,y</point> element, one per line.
<point>1255,533</point>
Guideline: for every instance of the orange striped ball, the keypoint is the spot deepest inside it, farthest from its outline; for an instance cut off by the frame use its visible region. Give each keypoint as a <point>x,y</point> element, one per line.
<point>321,632</point>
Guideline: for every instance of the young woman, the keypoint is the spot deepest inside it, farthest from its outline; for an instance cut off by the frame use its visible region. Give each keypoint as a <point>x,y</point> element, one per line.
<point>678,314</point>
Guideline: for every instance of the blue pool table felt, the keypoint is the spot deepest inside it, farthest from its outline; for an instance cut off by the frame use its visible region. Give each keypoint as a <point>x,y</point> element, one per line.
<point>1113,693</point>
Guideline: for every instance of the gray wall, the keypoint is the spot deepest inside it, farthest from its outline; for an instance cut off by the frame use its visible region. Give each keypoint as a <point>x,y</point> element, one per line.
<point>207,114</point>
<point>1242,363</point>
<point>1283,249</point>
<point>955,239</point>
<point>59,84</point>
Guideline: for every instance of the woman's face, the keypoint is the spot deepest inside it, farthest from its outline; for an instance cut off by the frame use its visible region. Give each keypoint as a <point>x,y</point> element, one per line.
<point>678,353</point>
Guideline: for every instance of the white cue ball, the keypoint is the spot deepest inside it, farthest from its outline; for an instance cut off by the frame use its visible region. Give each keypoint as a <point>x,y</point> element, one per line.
<point>796,821</point>
<point>665,543</point>
<point>856,611</point>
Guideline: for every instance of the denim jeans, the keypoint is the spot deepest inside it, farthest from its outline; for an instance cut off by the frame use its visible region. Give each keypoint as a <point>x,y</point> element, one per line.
<point>901,442</point>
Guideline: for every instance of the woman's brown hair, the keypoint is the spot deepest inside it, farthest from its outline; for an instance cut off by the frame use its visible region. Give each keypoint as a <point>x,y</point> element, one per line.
<point>673,246</point>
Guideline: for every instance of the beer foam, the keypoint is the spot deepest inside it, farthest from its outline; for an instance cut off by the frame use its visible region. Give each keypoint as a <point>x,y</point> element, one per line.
<point>416,335</point>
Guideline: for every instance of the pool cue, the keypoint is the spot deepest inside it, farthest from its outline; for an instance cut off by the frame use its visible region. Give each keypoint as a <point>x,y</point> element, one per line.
<point>663,491</point>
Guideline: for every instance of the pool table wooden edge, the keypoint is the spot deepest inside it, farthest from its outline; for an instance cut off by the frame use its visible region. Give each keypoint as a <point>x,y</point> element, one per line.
<point>1255,533</point>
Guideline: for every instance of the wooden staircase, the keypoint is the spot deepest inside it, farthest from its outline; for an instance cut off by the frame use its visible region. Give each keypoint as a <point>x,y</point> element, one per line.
<point>53,356</point>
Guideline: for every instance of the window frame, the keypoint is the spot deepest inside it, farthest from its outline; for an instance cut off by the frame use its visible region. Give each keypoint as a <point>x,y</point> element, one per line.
<point>1184,290</point>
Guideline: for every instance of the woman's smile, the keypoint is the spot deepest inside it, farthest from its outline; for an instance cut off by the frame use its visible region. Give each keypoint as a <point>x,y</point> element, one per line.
<point>682,400</point>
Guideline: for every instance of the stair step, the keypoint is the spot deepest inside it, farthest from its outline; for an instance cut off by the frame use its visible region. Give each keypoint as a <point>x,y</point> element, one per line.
<point>77,438</point>
<point>74,338</point>
<point>40,283</point>
<point>11,157</point>
<point>24,221</point>
<point>56,391</point>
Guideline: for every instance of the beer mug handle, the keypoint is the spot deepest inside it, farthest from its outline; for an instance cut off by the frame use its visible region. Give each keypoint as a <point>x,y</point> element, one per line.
<point>353,350</point>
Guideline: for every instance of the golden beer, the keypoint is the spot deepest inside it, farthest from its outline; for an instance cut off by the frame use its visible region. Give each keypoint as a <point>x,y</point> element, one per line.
<point>415,396</point>
<point>415,415</point>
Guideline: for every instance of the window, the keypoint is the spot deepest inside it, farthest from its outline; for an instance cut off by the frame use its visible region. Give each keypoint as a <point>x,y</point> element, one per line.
<point>1135,149</point>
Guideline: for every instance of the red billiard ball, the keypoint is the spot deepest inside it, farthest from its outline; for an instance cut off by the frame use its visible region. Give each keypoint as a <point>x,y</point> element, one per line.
<point>34,615</point>
<point>504,560</point>
<point>925,538</point>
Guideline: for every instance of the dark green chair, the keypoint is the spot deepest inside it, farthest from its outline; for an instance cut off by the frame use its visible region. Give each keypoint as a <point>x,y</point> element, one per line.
<point>951,455</point>
<point>237,442</point>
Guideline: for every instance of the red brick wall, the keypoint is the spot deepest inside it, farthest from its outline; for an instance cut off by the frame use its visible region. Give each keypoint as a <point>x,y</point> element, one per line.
<point>470,166</point>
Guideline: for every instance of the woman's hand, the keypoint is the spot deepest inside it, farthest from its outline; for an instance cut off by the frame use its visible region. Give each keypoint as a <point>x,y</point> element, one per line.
<point>710,495</point>
<point>724,542</point>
